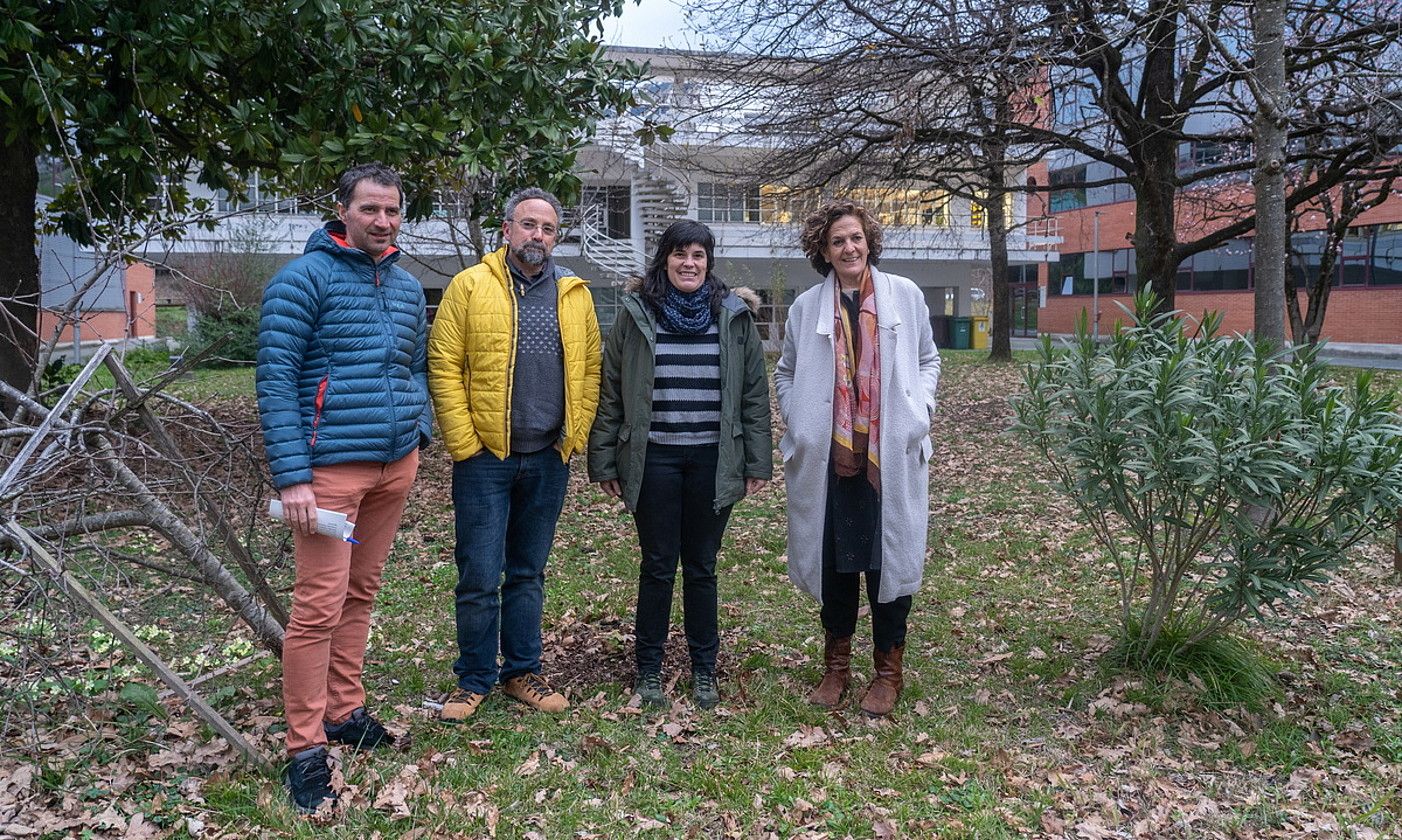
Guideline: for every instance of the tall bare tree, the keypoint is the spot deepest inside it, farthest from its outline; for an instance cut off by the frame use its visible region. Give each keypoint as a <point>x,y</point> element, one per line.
<point>913,98</point>
<point>1270,133</point>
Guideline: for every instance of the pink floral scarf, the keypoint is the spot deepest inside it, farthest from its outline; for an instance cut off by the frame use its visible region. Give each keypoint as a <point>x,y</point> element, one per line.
<point>856,420</point>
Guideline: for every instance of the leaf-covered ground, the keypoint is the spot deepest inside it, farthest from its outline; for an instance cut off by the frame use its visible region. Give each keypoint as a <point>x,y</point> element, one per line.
<point>1011,725</point>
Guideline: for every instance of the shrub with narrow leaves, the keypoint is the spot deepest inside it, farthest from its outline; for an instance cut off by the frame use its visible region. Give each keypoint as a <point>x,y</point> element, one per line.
<point>1223,477</point>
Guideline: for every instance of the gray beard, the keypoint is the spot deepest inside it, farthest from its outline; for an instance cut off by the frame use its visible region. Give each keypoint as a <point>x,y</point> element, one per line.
<point>532,255</point>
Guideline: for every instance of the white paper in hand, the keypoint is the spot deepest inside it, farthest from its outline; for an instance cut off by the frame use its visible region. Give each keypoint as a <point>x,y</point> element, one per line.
<point>328,522</point>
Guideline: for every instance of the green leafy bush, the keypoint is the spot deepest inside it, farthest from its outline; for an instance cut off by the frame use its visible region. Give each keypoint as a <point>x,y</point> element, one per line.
<point>1221,476</point>
<point>241,325</point>
<point>145,360</point>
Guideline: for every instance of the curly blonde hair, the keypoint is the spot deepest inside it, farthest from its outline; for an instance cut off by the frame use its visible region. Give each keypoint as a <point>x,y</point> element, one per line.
<point>815,232</point>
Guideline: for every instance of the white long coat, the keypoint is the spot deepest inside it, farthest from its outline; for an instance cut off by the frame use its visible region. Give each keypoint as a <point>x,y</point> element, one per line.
<point>803,383</point>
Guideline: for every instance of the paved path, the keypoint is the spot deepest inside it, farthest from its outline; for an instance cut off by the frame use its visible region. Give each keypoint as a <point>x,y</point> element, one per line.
<point>1344,353</point>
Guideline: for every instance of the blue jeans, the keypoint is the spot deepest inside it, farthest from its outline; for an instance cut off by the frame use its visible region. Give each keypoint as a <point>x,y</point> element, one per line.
<point>505,515</point>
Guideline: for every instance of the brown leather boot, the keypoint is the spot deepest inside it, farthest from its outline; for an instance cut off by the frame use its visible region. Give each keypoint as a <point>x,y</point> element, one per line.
<point>885,688</point>
<point>837,671</point>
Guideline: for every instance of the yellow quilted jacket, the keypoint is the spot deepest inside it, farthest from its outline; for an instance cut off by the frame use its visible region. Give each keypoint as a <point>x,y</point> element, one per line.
<point>472,349</point>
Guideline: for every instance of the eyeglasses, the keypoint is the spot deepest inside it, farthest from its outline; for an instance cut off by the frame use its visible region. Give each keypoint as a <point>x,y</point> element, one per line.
<point>531,226</point>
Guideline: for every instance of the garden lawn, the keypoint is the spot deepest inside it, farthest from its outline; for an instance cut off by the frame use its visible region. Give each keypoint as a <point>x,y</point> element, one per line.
<point>1010,726</point>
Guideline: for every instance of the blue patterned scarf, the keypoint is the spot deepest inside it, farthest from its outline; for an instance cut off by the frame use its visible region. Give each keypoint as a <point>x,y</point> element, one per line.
<point>688,313</point>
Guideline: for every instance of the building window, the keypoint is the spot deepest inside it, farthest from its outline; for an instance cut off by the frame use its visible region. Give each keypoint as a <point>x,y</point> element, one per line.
<point>1369,255</point>
<point>1225,268</point>
<point>1068,188</point>
<point>934,211</point>
<point>615,203</point>
<point>978,216</point>
<point>727,202</point>
<point>263,198</point>
<point>1113,271</point>
<point>1387,255</point>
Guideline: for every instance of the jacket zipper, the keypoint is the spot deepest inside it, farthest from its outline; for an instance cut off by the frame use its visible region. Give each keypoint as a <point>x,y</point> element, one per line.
<point>510,359</point>
<point>387,324</point>
<point>320,401</point>
<point>564,367</point>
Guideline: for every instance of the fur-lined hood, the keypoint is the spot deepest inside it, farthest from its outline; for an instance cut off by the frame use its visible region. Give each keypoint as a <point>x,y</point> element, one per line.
<point>749,297</point>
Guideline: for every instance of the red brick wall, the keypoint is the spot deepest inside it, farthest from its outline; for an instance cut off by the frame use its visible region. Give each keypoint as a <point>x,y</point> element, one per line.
<point>138,278</point>
<point>1371,316</point>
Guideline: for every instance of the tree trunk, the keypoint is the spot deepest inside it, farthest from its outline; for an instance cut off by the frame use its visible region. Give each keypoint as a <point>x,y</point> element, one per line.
<point>1000,343</point>
<point>19,282</point>
<point>995,154</point>
<point>1268,248</point>
<point>1155,241</point>
<point>1155,151</point>
<point>1397,546</point>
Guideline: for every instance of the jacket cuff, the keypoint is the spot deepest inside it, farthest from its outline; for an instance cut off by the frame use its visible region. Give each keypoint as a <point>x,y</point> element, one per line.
<point>282,481</point>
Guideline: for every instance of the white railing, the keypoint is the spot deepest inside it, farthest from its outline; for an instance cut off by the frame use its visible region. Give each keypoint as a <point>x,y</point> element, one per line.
<point>618,257</point>
<point>1043,234</point>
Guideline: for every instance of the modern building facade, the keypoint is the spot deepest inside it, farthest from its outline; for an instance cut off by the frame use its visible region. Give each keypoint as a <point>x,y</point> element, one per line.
<point>631,191</point>
<point>1096,226</point>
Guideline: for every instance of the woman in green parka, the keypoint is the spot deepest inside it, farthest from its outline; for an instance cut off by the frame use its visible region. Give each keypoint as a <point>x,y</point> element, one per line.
<point>681,435</point>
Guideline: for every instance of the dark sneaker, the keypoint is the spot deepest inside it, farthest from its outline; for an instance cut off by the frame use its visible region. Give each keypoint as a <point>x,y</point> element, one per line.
<point>648,686</point>
<point>360,731</point>
<point>308,780</point>
<point>703,690</point>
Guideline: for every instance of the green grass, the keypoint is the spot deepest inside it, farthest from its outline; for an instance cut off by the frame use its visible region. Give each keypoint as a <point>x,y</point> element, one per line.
<point>1015,715</point>
<point>171,321</point>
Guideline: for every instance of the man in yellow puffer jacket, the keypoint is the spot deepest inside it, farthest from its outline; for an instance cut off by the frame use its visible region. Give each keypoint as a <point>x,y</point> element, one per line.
<point>513,366</point>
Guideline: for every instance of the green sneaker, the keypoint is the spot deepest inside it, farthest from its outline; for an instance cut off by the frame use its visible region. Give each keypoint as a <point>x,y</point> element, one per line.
<point>703,690</point>
<point>648,686</point>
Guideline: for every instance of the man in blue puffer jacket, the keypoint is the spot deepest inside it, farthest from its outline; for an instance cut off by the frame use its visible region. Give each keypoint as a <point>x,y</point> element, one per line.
<point>343,397</point>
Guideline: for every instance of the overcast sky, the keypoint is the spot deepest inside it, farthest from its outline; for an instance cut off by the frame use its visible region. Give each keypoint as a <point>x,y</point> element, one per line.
<point>652,23</point>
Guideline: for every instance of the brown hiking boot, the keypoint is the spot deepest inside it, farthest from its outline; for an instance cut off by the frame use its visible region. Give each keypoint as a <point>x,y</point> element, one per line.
<point>460,704</point>
<point>837,671</point>
<point>885,688</point>
<point>534,691</point>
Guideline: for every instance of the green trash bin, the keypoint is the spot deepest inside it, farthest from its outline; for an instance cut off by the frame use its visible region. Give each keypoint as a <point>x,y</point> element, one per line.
<point>959,331</point>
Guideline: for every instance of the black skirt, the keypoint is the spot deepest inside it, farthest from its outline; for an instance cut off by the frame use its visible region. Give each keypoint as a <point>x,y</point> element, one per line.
<point>852,530</point>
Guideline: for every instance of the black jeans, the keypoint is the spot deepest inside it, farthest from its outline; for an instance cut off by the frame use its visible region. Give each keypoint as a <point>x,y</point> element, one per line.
<point>676,520</point>
<point>842,591</point>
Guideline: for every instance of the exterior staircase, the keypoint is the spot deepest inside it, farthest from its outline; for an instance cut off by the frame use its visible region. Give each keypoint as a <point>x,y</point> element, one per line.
<point>616,258</point>
<point>660,202</point>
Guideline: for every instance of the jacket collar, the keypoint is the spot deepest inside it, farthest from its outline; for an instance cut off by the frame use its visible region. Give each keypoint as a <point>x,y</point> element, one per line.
<point>331,238</point>
<point>888,316</point>
<point>496,263</point>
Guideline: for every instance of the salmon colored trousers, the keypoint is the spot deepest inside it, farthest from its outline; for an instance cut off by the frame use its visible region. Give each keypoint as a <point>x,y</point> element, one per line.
<point>323,650</point>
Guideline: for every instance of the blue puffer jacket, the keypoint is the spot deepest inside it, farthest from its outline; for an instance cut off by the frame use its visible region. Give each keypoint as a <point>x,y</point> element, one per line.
<point>342,365</point>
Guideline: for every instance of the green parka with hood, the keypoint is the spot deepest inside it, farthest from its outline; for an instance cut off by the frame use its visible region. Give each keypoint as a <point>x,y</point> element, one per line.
<point>618,439</point>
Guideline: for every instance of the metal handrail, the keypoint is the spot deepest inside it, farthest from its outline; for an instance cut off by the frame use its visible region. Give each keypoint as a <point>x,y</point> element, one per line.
<point>617,256</point>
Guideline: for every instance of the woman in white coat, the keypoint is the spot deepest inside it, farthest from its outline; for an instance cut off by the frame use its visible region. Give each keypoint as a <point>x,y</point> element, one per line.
<point>856,387</point>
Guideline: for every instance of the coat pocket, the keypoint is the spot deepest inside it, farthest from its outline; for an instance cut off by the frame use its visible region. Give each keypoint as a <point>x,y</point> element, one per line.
<point>787,446</point>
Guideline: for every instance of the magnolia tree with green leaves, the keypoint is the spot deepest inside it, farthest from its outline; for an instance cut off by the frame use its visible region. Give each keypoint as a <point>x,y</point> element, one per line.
<point>1221,476</point>
<point>134,96</point>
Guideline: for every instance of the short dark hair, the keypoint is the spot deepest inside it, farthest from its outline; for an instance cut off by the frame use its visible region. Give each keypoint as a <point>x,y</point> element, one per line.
<point>376,172</point>
<point>533,193</point>
<point>680,234</point>
<point>814,237</point>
